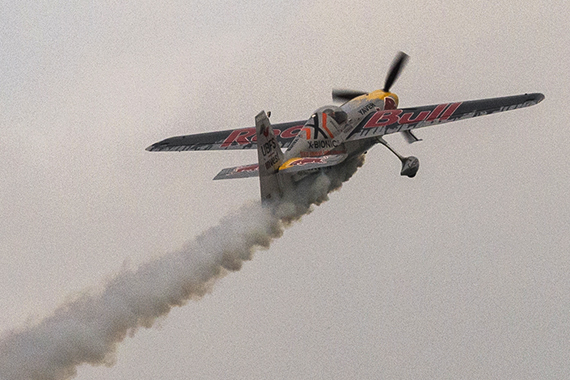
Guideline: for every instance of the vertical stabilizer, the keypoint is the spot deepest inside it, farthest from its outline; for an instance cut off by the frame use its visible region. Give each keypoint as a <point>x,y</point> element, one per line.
<point>270,158</point>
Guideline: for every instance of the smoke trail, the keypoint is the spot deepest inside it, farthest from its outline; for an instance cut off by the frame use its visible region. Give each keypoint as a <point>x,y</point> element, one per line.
<point>88,329</point>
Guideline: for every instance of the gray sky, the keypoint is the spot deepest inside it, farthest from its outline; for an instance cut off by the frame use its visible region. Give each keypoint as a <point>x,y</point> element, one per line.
<point>461,272</point>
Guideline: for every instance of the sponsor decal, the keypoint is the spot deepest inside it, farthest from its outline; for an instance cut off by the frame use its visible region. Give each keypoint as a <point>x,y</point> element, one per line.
<point>247,168</point>
<point>364,110</point>
<point>246,136</point>
<point>306,161</point>
<point>291,133</point>
<point>450,111</point>
<point>388,117</point>
<point>407,117</point>
<point>436,112</point>
<point>322,144</point>
<point>269,147</point>
<point>319,128</point>
<point>272,161</point>
<point>517,106</point>
<point>239,136</point>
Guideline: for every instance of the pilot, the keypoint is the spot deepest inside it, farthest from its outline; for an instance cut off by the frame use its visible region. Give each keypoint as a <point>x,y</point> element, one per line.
<point>338,115</point>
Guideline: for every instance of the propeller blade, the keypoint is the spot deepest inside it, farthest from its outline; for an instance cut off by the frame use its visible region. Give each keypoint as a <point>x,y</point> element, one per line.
<point>346,95</point>
<point>395,70</point>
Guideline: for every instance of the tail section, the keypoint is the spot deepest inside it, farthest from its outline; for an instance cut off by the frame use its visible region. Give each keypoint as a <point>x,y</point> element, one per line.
<point>270,158</point>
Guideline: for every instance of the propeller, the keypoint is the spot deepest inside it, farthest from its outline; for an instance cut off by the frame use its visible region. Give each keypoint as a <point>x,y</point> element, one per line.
<point>395,70</point>
<point>346,95</point>
<point>397,66</point>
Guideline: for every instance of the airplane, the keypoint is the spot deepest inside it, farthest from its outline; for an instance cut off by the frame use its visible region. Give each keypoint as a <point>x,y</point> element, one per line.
<point>333,135</point>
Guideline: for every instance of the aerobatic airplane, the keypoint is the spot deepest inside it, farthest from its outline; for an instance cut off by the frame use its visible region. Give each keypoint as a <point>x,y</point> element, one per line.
<point>335,134</point>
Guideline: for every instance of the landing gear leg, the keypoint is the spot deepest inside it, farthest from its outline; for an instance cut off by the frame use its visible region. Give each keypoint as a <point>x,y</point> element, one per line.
<point>410,165</point>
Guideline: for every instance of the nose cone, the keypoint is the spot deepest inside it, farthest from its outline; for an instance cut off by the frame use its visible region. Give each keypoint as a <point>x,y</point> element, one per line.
<point>391,101</point>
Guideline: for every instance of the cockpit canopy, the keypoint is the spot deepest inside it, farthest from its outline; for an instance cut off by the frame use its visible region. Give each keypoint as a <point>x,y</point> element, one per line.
<point>335,112</point>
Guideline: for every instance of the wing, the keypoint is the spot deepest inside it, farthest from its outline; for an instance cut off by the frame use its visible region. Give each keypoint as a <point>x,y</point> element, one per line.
<point>400,120</point>
<point>243,138</point>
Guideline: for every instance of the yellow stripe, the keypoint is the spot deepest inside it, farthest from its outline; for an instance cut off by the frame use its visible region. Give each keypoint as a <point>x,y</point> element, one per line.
<point>287,163</point>
<point>379,94</point>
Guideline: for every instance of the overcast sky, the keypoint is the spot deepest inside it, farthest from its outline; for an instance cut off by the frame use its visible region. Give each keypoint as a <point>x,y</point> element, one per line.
<point>461,272</point>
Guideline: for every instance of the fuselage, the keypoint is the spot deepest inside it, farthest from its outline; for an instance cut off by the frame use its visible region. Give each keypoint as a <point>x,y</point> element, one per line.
<point>326,131</point>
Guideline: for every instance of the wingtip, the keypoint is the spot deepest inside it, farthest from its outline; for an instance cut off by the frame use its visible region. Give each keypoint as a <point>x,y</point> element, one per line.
<point>536,97</point>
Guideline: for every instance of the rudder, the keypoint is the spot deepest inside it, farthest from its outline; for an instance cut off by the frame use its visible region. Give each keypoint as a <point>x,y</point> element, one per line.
<point>270,158</point>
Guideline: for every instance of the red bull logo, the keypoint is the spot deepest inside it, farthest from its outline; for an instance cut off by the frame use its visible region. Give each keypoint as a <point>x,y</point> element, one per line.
<point>247,168</point>
<point>306,161</point>
<point>395,116</point>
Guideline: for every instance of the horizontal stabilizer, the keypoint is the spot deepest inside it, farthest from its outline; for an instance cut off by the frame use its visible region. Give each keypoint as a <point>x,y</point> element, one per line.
<point>244,171</point>
<point>308,163</point>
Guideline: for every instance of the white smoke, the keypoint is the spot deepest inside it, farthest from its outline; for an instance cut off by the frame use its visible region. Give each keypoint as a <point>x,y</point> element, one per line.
<point>88,329</point>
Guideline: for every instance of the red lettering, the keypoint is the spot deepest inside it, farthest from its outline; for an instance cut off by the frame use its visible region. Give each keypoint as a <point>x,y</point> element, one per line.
<point>305,161</point>
<point>247,168</point>
<point>406,118</point>
<point>240,136</point>
<point>276,132</point>
<point>383,118</point>
<point>289,133</point>
<point>437,110</point>
<point>449,111</point>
